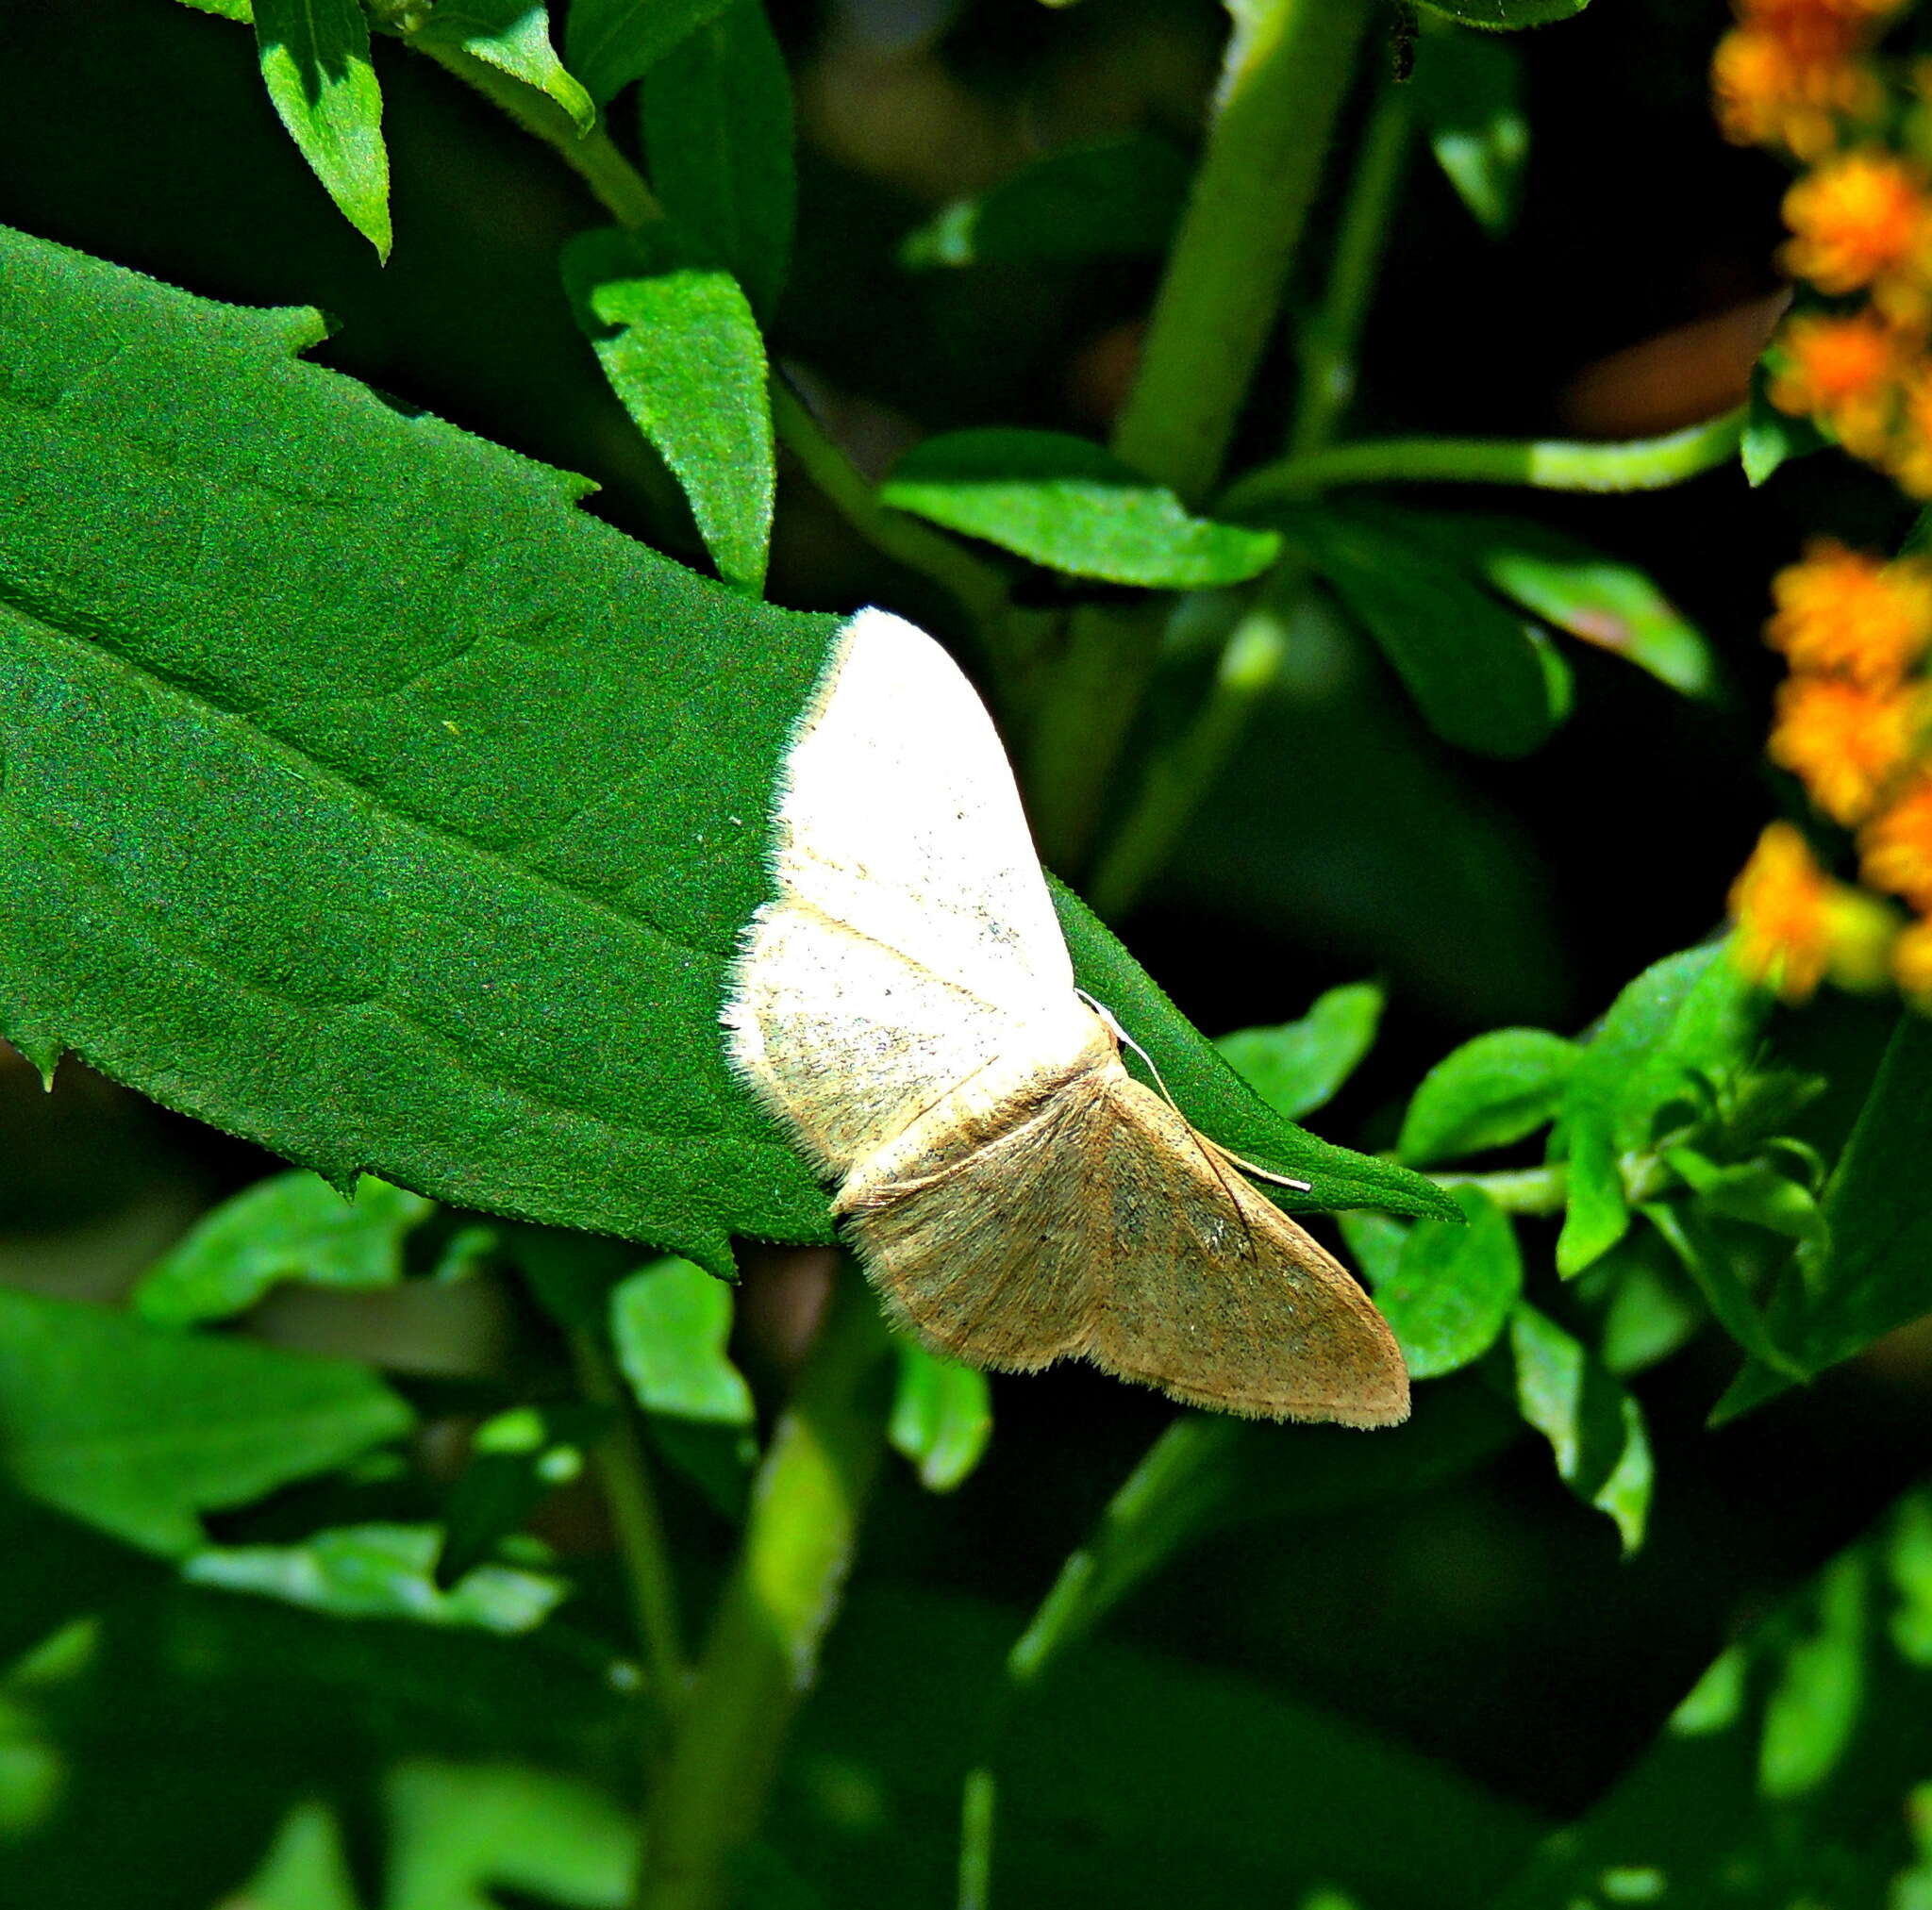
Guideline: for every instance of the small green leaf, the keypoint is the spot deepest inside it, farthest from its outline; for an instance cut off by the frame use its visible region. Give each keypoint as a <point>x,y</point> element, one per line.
<point>1908,1564</point>
<point>1751,1192</point>
<point>240,11</point>
<point>1702,1249</point>
<point>941,1416</point>
<point>1576,588</point>
<point>292,1226</point>
<point>669,1322</point>
<point>1598,1211</point>
<point>682,351</point>
<point>315,60</point>
<point>137,1429</point>
<point>1687,1017</point>
<point>1375,1241</point>
<point>608,43</point>
<point>1065,502</point>
<point>1119,200</point>
<point>513,36</point>
<point>1716,1701</point>
<point>1867,1275</point>
<point>717,129</point>
<point>1218,1101</point>
<point>1502,16</point>
<point>474,1836</point>
<point>1471,666</point>
<point>379,1571</point>
<point>517,1459</point>
<point>1811,1714</point>
<point>1299,1066</point>
<point>1771,436</point>
<point>1487,1093</point>
<point>1653,1310</point>
<point>306,1868</point>
<point>1454,1287</point>
<point>1468,94</point>
<point>1594,1427</point>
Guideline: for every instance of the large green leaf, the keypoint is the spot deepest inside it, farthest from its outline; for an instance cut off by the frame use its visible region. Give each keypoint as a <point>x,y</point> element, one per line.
<point>1065,502</point>
<point>1209,1092</point>
<point>315,61</point>
<point>608,43</point>
<point>1477,672</point>
<point>717,123</point>
<point>682,351</point>
<point>1122,198</point>
<point>362,797</point>
<point>1868,1272</point>
<point>137,1428</point>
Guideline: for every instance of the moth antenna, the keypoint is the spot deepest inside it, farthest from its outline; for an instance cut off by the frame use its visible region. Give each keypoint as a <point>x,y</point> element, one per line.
<point>1248,1166</point>
<point>1126,1040</point>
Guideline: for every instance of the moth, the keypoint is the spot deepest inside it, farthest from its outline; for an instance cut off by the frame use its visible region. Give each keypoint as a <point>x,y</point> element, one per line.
<point>905,1006</point>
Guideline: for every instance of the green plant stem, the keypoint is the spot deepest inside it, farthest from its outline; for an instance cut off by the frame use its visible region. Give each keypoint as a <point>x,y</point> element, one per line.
<point>1332,342</point>
<point>979,1809</point>
<point>1282,82</point>
<point>1546,1190</point>
<point>594,156</point>
<point>1171,1492</point>
<point>978,588</point>
<point>1544,464</point>
<point>1093,694</point>
<point>775,1608</point>
<point>625,1476</point>
<point>1177,777</point>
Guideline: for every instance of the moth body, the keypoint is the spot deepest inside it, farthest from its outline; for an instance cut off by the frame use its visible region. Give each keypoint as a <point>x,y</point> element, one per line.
<point>905,1005</point>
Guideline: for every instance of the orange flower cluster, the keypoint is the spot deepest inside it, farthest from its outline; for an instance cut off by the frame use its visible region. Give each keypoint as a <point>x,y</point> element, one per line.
<point>1853,720</point>
<point>1804,76</point>
<point>1792,73</point>
<point>1851,726</point>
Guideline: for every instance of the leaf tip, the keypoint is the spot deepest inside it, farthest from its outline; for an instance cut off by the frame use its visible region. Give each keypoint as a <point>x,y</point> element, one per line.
<point>42,1057</point>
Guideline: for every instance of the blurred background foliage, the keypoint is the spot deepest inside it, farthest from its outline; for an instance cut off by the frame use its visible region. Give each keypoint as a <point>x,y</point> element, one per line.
<point>1335,1670</point>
